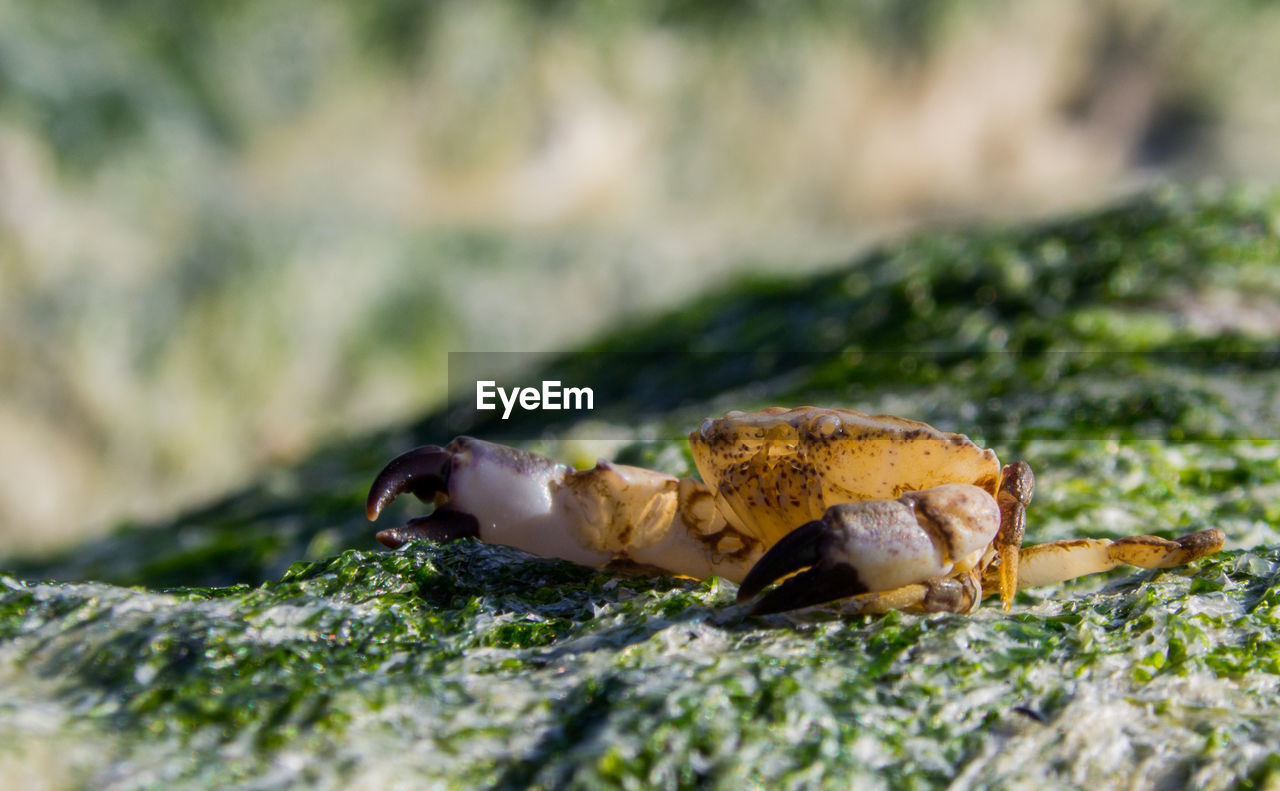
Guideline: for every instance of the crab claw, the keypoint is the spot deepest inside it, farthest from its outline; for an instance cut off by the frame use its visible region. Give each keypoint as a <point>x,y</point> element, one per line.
<point>508,496</point>
<point>874,546</point>
<point>807,546</point>
<point>423,472</point>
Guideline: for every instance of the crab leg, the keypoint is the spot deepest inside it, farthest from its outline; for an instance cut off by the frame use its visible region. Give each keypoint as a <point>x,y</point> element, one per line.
<point>891,548</point>
<point>1016,485</point>
<point>612,515</point>
<point>1048,564</point>
<point>959,594</point>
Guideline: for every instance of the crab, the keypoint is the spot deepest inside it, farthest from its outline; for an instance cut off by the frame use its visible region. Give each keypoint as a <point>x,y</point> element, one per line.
<point>883,512</point>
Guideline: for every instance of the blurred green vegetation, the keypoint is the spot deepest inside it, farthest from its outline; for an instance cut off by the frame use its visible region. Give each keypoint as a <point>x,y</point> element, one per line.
<point>164,59</point>
<point>230,231</point>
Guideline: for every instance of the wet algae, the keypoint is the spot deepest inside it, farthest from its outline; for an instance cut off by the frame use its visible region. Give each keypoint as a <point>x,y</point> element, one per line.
<point>1128,355</point>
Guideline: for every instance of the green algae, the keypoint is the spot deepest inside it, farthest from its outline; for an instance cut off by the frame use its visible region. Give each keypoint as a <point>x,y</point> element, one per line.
<point>435,655</point>
<point>264,641</point>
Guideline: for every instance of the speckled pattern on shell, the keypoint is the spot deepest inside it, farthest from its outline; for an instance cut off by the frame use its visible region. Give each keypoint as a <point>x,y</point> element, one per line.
<point>778,468</point>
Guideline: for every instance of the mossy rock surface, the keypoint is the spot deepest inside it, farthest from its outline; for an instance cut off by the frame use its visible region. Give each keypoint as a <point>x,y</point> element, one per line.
<point>1128,355</point>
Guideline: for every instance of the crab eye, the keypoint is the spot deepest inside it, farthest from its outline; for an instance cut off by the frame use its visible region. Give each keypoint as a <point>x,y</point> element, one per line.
<point>705,430</point>
<point>825,425</point>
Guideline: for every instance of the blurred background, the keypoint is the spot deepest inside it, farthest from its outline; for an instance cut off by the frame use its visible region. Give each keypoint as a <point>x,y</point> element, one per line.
<point>231,230</point>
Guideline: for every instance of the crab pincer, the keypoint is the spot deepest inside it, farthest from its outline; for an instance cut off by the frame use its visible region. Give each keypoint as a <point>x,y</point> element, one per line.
<point>424,473</point>
<point>479,489</point>
<point>612,515</point>
<point>874,548</point>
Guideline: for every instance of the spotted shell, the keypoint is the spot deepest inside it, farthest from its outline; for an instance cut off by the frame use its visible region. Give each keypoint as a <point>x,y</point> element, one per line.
<point>778,468</point>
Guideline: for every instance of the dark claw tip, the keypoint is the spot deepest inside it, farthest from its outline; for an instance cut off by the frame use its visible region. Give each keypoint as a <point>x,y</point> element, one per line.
<point>392,538</point>
<point>800,548</point>
<point>809,588</point>
<point>423,472</point>
<point>807,547</point>
<point>444,524</point>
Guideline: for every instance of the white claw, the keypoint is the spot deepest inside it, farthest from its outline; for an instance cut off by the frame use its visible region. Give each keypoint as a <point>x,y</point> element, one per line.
<point>920,536</point>
<point>612,512</point>
<point>518,500</point>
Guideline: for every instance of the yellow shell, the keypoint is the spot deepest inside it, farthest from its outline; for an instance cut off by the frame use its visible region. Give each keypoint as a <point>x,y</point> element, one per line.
<point>778,468</point>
